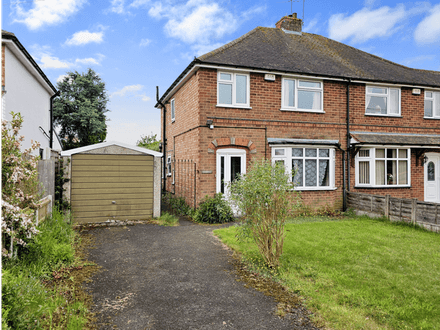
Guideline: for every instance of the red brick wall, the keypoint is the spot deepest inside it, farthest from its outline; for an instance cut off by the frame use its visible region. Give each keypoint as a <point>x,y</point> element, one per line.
<point>196,102</point>
<point>3,65</point>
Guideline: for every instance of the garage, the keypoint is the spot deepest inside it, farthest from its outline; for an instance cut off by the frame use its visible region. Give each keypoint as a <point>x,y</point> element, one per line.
<point>112,181</point>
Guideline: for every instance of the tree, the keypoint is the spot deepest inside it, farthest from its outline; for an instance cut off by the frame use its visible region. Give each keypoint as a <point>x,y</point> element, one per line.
<point>149,142</point>
<point>264,197</point>
<point>20,188</point>
<point>80,109</point>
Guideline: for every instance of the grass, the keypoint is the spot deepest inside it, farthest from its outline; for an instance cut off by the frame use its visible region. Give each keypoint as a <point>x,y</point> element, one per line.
<point>358,273</point>
<point>166,219</point>
<point>38,288</point>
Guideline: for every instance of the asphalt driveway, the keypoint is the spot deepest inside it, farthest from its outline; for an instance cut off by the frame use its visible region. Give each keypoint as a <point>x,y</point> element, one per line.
<point>182,277</point>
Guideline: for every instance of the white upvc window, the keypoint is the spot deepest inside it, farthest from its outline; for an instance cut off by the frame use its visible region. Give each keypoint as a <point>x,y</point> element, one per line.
<point>169,166</point>
<point>432,104</point>
<point>383,167</point>
<point>382,100</point>
<point>173,110</point>
<point>310,168</point>
<point>302,95</point>
<point>233,89</point>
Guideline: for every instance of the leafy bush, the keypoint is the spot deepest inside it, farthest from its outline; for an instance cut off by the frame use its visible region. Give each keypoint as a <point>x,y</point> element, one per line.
<point>263,195</point>
<point>177,205</point>
<point>214,210</point>
<point>20,188</point>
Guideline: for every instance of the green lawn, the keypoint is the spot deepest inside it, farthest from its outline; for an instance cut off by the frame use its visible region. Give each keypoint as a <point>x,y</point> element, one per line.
<point>359,273</point>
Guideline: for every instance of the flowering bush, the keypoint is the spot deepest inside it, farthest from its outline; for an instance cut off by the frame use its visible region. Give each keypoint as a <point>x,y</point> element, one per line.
<point>20,188</point>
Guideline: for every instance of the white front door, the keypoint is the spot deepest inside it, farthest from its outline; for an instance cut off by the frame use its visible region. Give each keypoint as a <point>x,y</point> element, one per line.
<point>230,163</point>
<point>432,178</point>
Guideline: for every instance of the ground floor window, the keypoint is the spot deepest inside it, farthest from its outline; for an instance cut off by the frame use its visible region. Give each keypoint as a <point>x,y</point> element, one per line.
<point>311,168</point>
<point>383,167</point>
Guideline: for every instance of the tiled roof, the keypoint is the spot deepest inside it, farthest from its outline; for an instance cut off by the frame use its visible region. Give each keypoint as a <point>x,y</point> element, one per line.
<point>306,53</point>
<point>396,139</point>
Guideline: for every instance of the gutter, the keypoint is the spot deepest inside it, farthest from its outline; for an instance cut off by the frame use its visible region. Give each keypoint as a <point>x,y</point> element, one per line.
<point>51,120</point>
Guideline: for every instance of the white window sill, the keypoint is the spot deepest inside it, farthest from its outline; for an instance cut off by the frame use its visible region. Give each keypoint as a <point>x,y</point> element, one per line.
<point>314,188</point>
<point>435,118</point>
<point>382,187</point>
<point>234,106</point>
<point>302,110</point>
<point>382,115</point>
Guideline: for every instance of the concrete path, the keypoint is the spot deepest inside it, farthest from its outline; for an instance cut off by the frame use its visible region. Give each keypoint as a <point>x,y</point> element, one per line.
<point>182,277</point>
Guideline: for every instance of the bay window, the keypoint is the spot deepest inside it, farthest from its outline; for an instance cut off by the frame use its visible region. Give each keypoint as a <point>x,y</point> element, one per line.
<point>311,168</point>
<point>383,167</point>
<point>233,89</point>
<point>432,104</point>
<point>382,101</point>
<point>302,95</point>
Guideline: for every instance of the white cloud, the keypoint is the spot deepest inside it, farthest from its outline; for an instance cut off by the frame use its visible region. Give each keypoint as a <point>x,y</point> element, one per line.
<point>117,6</point>
<point>85,37</point>
<point>366,24</point>
<point>139,3</point>
<point>61,77</point>
<point>310,27</point>
<point>87,61</point>
<point>144,97</point>
<point>47,12</point>
<point>197,21</point>
<point>127,90</point>
<point>369,3</point>
<point>428,30</point>
<point>417,59</point>
<point>145,42</point>
<point>52,62</point>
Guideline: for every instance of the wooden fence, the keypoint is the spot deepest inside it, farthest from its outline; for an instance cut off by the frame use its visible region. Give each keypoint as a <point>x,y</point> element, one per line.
<point>397,209</point>
<point>184,180</point>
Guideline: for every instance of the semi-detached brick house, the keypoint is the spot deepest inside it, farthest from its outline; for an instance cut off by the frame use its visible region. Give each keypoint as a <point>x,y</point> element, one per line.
<point>295,97</point>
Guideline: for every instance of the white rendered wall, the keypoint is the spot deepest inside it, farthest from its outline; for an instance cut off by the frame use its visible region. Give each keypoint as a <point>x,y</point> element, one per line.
<point>26,95</point>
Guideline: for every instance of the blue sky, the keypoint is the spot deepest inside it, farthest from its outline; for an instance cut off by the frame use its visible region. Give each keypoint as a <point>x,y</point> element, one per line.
<point>136,45</point>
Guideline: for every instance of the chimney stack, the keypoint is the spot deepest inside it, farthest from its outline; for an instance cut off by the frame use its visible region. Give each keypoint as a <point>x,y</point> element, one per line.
<point>290,23</point>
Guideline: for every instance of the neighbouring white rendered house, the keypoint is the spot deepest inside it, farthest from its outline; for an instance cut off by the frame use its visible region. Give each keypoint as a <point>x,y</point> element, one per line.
<point>27,90</point>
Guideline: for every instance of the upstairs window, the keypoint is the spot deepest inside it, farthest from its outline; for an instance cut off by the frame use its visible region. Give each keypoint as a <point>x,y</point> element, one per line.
<point>302,95</point>
<point>382,101</point>
<point>173,111</point>
<point>432,104</point>
<point>169,166</point>
<point>233,89</point>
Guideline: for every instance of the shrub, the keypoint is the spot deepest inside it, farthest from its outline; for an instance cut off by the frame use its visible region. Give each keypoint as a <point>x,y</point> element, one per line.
<point>263,195</point>
<point>214,210</point>
<point>167,219</point>
<point>20,188</point>
<point>177,205</point>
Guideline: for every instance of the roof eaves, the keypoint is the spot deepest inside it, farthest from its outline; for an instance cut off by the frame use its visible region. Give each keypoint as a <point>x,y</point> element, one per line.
<point>10,36</point>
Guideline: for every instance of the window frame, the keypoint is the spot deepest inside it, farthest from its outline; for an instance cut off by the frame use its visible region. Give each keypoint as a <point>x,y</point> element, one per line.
<point>298,88</point>
<point>372,170</point>
<point>388,95</point>
<point>435,102</point>
<point>233,83</point>
<point>287,158</point>
<point>173,110</point>
<point>169,172</point>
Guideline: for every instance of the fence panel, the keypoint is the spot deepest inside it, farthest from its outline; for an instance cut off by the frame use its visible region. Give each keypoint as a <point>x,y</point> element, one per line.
<point>397,209</point>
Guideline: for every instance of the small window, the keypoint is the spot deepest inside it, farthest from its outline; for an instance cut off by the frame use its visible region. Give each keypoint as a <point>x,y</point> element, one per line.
<point>382,101</point>
<point>431,171</point>
<point>41,153</point>
<point>173,111</point>
<point>302,95</point>
<point>432,104</point>
<point>169,166</point>
<point>233,89</point>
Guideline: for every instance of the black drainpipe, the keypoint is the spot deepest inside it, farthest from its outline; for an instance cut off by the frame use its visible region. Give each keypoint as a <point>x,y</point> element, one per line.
<point>348,134</point>
<point>164,142</point>
<point>51,120</point>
